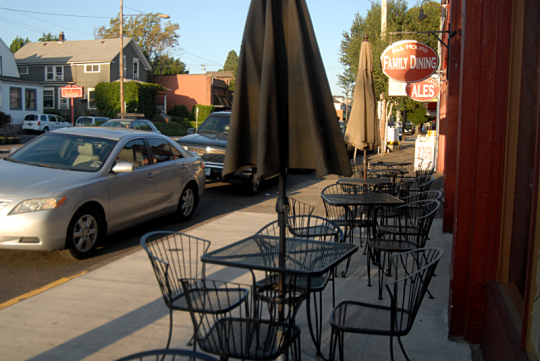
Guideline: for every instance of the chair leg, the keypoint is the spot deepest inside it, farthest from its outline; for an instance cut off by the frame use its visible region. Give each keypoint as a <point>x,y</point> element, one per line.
<point>368,264</point>
<point>316,328</point>
<point>403,349</point>
<point>170,328</point>
<point>335,342</point>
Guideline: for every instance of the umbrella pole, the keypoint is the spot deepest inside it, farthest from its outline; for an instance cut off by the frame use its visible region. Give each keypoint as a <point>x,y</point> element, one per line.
<point>282,207</point>
<point>365,164</point>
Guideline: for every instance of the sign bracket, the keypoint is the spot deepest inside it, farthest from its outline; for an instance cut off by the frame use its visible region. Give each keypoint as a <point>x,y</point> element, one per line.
<point>451,34</point>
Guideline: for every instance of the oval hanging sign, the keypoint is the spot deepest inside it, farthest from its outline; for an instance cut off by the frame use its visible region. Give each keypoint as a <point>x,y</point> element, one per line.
<point>423,91</point>
<point>409,61</point>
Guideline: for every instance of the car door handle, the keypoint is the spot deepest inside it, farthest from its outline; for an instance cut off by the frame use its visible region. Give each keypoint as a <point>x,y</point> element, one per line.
<point>151,174</point>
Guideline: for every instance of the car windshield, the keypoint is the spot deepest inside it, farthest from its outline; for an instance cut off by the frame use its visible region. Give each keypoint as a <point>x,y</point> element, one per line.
<point>84,121</point>
<point>117,124</point>
<point>65,151</point>
<point>216,124</point>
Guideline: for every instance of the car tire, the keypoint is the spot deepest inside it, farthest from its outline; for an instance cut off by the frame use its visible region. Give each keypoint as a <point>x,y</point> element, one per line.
<point>45,130</point>
<point>186,205</point>
<point>84,233</point>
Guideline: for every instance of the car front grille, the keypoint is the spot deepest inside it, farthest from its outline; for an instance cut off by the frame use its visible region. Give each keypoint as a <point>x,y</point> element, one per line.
<point>210,155</point>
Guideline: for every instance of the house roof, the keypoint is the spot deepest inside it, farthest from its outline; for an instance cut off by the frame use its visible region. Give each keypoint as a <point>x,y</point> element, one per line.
<point>75,51</point>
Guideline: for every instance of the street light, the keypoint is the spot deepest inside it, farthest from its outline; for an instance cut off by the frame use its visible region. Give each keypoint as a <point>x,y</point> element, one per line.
<point>122,105</point>
<point>421,15</point>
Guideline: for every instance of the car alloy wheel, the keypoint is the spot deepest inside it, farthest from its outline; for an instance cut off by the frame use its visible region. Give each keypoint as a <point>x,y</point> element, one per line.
<point>84,233</point>
<point>187,203</point>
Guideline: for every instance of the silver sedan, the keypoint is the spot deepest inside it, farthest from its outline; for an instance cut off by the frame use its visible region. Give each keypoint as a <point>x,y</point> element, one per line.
<point>67,189</point>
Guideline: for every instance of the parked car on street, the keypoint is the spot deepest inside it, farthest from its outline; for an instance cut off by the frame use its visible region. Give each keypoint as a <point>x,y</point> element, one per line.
<point>135,124</point>
<point>86,120</point>
<point>42,123</point>
<point>210,142</point>
<point>67,189</point>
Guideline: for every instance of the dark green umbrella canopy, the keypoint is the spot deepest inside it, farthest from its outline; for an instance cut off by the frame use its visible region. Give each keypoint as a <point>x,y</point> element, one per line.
<point>283,114</point>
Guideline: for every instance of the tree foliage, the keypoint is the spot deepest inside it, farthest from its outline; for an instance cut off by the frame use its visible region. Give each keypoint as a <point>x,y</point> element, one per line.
<point>231,64</point>
<point>48,37</point>
<point>399,19</point>
<point>18,43</point>
<point>154,36</point>
<point>164,65</point>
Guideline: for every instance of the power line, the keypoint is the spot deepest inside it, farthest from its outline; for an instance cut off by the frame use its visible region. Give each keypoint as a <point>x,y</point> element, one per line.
<point>48,22</point>
<point>73,16</point>
<point>182,50</point>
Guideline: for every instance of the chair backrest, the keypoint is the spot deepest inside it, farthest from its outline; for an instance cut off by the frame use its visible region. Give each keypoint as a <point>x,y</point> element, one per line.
<point>412,273</point>
<point>297,208</point>
<point>416,163</point>
<point>174,256</point>
<point>311,227</point>
<point>86,154</point>
<point>168,355</point>
<point>422,196</point>
<point>334,213</point>
<point>253,328</point>
<point>424,183</point>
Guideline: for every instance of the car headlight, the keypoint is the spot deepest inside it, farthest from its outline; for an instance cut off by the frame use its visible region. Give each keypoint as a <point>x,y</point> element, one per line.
<point>38,204</point>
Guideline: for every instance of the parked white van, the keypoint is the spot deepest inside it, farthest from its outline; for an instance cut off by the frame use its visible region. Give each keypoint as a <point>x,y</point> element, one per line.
<point>42,123</point>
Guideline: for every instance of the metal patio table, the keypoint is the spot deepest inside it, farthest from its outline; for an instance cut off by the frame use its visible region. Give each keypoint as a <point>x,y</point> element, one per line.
<point>352,201</point>
<point>390,164</point>
<point>362,181</point>
<point>302,257</point>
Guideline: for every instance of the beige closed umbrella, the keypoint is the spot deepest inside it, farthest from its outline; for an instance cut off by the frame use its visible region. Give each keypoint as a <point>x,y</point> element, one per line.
<point>363,126</point>
<point>283,114</point>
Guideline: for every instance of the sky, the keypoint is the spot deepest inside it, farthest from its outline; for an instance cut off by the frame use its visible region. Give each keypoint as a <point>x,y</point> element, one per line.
<point>209,29</point>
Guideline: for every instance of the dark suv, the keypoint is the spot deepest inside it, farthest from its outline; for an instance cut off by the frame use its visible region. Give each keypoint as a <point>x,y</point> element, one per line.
<point>209,142</point>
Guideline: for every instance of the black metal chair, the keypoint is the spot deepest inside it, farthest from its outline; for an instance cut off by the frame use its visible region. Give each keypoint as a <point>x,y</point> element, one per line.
<point>407,230</point>
<point>262,330</point>
<point>425,169</point>
<point>175,256</point>
<point>413,271</point>
<point>317,229</point>
<point>168,355</point>
<point>298,208</point>
<point>416,163</point>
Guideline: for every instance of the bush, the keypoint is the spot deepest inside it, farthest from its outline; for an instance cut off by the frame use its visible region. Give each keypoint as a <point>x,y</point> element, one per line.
<point>5,121</point>
<point>204,112</point>
<point>171,129</point>
<point>179,111</point>
<point>139,98</point>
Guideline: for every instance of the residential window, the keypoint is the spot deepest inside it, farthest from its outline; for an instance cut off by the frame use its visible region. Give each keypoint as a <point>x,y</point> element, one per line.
<point>135,68</point>
<point>23,70</point>
<point>15,98</point>
<point>48,98</point>
<point>63,103</point>
<point>92,68</point>
<point>30,99</point>
<point>54,73</point>
<point>0,65</point>
<point>91,98</point>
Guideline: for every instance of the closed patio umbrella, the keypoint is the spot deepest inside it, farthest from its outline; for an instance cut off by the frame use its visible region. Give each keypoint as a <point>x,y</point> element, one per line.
<point>363,126</point>
<point>283,114</point>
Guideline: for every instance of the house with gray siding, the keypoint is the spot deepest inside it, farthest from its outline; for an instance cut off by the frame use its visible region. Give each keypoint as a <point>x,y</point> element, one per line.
<point>18,97</point>
<point>84,63</point>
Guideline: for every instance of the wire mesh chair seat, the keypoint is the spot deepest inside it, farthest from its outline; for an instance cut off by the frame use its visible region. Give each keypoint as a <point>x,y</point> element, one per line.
<point>168,355</point>
<point>413,272</point>
<point>409,230</point>
<point>175,256</point>
<point>317,229</point>
<point>259,331</point>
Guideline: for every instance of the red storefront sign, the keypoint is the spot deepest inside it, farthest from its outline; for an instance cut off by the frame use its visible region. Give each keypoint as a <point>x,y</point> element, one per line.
<point>71,91</point>
<point>409,61</point>
<point>423,91</point>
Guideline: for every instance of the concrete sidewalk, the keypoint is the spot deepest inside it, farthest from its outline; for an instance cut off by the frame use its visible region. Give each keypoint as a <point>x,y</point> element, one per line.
<point>118,310</point>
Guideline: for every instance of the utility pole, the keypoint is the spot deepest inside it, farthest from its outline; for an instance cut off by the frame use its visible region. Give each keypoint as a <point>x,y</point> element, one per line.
<point>203,68</point>
<point>382,120</point>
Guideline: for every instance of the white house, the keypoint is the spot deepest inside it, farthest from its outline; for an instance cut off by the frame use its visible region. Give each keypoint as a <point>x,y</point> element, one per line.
<point>18,97</point>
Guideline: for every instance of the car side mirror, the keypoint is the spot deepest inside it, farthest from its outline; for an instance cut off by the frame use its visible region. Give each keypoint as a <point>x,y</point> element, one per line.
<point>191,130</point>
<point>123,167</point>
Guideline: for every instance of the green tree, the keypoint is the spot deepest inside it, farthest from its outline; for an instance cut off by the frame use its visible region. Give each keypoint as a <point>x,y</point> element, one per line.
<point>164,65</point>
<point>231,64</point>
<point>399,19</point>
<point>154,36</point>
<point>48,37</point>
<point>18,43</point>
